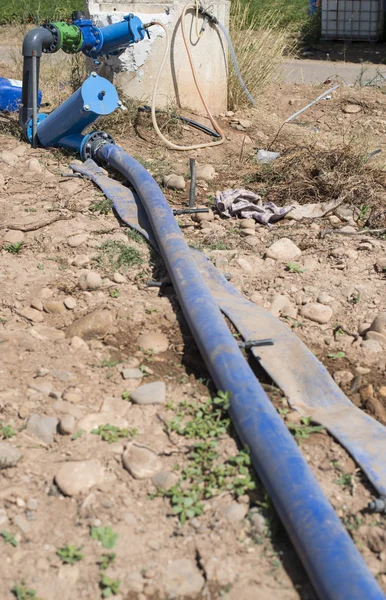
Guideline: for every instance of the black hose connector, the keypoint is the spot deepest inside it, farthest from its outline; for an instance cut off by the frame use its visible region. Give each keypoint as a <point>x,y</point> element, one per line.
<point>378,505</point>
<point>208,15</point>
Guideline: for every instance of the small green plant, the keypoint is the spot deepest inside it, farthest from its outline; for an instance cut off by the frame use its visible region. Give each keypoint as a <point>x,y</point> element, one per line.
<point>78,434</point>
<point>294,268</point>
<point>135,236</point>
<point>105,535</point>
<point>150,311</point>
<point>6,431</point>
<point>355,298</point>
<point>126,396</point>
<point>114,293</point>
<point>209,419</point>
<point>303,430</point>
<point>352,522</point>
<point>116,256</point>
<point>102,207</point>
<point>336,355</point>
<point>111,433</point>
<point>70,554</point>
<point>14,248</point>
<point>106,560</point>
<point>110,363</point>
<point>345,480</point>
<point>23,593</point>
<point>30,210</point>
<point>9,538</point>
<point>364,212</point>
<point>109,586</point>
<point>40,266</point>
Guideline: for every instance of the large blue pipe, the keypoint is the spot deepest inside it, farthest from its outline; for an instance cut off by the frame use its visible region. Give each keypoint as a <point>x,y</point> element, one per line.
<point>333,563</point>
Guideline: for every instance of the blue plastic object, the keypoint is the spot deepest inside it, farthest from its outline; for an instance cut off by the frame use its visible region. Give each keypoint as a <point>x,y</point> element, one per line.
<point>98,41</point>
<point>333,563</point>
<point>10,94</point>
<point>64,126</point>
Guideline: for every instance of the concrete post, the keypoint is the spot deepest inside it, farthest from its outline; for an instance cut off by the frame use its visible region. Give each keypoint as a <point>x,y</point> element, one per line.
<point>135,70</point>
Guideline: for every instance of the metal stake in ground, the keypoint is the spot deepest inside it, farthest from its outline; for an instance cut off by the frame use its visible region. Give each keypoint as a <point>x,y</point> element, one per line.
<point>192,191</point>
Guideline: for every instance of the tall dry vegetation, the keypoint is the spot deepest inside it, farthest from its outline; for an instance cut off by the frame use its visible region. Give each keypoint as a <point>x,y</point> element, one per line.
<point>260,44</point>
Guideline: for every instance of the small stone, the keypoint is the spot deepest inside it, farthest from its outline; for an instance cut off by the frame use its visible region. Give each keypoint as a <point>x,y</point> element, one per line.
<point>319,313</point>
<point>56,308</point>
<point>205,225</point>
<point>43,387</point>
<point>284,250</point>
<point>279,304</point>
<point>69,302</point>
<point>343,377</point>
<point>248,223</point>
<point>352,109</point>
<point>374,335</point>
<point>9,158</point>
<point>95,420</point>
<point>32,314</point>
<point>81,260</point>
<point>382,391</point>
<point>165,480</point>
<point>173,181</point>
<point>183,579</point>
<point>259,523</point>
<point>72,395</point>
<point>348,229</point>
<point>37,304</point>
<point>78,344</point>
<point>21,523</point>
<point>257,298</point>
<point>244,265</point>
<point>118,278</point>
<point>95,325</point>
<point>2,181</point>
<point>115,406</point>
<point>78,477</point>
<point>252,240</point>
<point>229,113</point>
<point>205,172</point>
<point>380,265</point>
<point>77,240</point>
<point>9,455</point>
<point>325,298</point>
<point>67,408</point>
<point>371,346</point>
<point>379,324</point>
<point>334,220</point>
<point>248,232</point>
<point>235,512</point>
<point>67,425</point>
<point>132,373</point>
<point>141,462</point>
<point>157,342</point>
<point>366,392</point>
<point>150,393</point>
<point>32,504</point>
<point>62,375</point>
<point>44,428</point>
<point>90,280</point>
<point>199,217</point>
<point>13,237</point>
<point>34,165</point>
<point>245,123</point>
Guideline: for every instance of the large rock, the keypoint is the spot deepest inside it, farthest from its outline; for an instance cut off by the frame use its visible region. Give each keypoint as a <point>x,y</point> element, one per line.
<point>14,236</point>
<point>95,325</point>
<point>44,428</point>
<point>150,393</point>
<point>90,280</point>
<point>141,462</point>
<point>157,342</point>
<point>284,250</point>
<point>9,455</point>
<point>77,477</point>
<point>319,313</point>
<point>377,329</point>
<point>183,579</point>
<point>205,172</point>
<point>176,182</point>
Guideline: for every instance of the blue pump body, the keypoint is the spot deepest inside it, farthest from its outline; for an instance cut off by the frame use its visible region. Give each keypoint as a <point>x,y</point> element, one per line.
<point>112,38</point>
<point>10,94</point>
<point>64,126</point>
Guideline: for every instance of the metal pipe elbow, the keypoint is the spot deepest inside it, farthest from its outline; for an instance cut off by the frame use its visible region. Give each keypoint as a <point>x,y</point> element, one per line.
<point>36,40</point>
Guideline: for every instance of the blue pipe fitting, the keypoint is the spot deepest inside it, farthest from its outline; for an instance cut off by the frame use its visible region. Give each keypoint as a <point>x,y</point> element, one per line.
<point>110,39</point>
<point>333,563</point>
<point>64,126</point>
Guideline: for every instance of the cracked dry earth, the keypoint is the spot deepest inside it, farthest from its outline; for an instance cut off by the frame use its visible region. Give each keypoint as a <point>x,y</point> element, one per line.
<point>100,374</point>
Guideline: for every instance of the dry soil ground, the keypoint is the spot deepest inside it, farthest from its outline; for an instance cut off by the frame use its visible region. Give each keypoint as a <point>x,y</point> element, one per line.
<point>72,359</point>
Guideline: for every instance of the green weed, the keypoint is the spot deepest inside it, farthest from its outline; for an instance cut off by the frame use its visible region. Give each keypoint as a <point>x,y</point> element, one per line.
<point>294,268</point>
<point>106,560</point>
<point>336,355</point>
<point>23,593</point>
<point>111,434</point>
<point>110,363</point>
<point>304,430</point>
<point>209,419</point>
<point>6,431</point>
<point>116,256</point>
<point>126,396</point>
<point>14,248</point>
<point>69,554</point>
<point>345,480</point>
<point>135,236</point>
<point>101,207</point>
<point>109,586</point>
<point>105,535</point>
<point>114,293</point>
<point>78,434</point>
<point>9,538</point>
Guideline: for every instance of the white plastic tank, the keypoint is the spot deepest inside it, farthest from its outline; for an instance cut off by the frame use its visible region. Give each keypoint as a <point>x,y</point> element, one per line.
<point>353,20</point>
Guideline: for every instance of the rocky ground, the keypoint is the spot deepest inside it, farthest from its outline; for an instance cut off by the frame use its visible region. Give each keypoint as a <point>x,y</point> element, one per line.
<point>118,477</point>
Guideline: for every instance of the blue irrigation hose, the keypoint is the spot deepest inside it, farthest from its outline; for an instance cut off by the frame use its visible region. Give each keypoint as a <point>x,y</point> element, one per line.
<point>235,63</point>
<point>333,563</point>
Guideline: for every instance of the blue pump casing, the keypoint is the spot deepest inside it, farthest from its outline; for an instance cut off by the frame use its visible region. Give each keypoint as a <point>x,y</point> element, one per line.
<point>64,126</point>
<point>10,94</point>
<point>110,39</point>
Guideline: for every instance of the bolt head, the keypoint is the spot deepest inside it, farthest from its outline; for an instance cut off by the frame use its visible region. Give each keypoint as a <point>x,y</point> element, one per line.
<point>119,103</point>
<point>93,74</point>
<point>86,107</point>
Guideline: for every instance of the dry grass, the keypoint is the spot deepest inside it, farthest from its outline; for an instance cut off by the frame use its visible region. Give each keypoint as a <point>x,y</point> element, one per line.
<point>260,46</point>
<point>307,175</point>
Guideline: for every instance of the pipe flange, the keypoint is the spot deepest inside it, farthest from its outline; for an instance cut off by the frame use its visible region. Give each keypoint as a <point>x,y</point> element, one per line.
<point>93,142</point>
<point>56,38</point>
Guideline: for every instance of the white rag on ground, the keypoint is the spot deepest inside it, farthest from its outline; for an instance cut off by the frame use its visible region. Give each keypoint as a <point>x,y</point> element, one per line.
<point>248,205</point>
